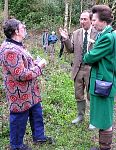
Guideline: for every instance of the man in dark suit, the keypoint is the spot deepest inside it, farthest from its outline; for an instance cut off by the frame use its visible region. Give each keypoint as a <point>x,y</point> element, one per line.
<point>81,42</point>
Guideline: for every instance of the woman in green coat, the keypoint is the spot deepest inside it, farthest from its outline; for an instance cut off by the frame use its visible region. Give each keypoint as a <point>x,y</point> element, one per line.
<point>101,58</point>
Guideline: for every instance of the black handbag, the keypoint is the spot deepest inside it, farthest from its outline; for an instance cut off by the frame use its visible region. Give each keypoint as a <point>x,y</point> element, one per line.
<point>103,88</point>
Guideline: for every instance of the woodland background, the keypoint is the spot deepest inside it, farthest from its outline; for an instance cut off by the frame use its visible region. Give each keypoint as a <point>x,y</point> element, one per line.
<point>57,90</point>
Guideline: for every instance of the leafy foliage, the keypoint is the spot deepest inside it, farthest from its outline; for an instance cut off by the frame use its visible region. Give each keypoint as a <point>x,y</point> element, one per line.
<point>37,14</point>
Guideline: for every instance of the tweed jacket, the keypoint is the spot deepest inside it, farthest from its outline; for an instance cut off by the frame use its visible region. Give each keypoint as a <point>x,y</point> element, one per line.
<point>102,58</point>
<point>75,45</point>
<point>20,76</point>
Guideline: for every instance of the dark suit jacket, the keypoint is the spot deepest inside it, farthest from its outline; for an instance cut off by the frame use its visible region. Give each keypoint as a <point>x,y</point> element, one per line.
<point>75,46</point>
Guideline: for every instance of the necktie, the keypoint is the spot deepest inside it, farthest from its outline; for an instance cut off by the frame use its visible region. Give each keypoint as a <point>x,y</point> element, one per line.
<point>84,44</point>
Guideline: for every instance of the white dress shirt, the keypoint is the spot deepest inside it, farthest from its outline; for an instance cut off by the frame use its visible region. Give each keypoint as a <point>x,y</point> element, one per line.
<point>88,36</point>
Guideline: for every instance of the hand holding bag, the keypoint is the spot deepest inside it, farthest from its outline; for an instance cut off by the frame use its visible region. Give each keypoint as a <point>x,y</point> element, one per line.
<point>103,88</point>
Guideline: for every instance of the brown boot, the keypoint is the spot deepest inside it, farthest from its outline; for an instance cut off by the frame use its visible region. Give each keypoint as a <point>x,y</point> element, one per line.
<point>105,139</point>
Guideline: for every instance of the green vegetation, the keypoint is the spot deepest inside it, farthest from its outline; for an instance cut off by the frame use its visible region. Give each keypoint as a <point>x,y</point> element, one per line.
<point>56,85</point>
<point>38,14</point>
<point>41,14</point>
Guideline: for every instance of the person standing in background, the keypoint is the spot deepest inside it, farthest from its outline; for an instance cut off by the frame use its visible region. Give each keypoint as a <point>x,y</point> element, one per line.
<point>45,40</point>
<point>52,39</point>
<point>79,44</point>
<point>62,47</point>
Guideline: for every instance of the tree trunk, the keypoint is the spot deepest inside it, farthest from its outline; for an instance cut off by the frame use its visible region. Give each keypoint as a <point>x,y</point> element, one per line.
<point>70,16</point>
<point>81,5</point>
<point>66,14</point>
<point>5,10</point>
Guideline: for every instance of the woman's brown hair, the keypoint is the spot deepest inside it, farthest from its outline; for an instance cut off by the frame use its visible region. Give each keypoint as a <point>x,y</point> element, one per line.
<point>104,13</point>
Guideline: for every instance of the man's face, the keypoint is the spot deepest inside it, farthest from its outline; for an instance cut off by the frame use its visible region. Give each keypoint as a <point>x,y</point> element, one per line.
<point>96,23</point>
<point>85,21</point>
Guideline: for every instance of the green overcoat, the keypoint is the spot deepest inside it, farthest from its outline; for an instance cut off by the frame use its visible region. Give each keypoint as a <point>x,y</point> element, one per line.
<point>102,59</point>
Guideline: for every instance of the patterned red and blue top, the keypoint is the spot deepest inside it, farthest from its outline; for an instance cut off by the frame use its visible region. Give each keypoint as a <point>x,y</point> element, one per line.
<point>20,76</point>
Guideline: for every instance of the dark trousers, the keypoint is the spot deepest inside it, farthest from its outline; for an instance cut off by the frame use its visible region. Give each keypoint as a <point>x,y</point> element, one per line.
<point>18,122</point>
<point>61,50</point>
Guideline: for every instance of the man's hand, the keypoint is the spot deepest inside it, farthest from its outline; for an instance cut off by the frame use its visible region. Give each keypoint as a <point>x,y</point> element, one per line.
<point>64,33</point>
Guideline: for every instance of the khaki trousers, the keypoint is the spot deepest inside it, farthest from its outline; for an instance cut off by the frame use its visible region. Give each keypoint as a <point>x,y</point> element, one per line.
<point>81,83</point>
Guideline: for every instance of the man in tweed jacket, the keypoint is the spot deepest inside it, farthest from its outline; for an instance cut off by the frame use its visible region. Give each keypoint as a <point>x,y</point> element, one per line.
<point>80,71</point>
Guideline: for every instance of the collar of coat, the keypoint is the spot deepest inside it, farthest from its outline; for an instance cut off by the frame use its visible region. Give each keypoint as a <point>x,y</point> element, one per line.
<point>14,42</point>
<point>107,29</point>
